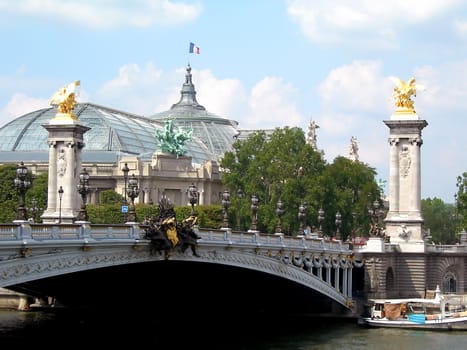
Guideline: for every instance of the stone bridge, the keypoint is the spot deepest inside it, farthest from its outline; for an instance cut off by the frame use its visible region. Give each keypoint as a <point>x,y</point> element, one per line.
<point>72,262</point>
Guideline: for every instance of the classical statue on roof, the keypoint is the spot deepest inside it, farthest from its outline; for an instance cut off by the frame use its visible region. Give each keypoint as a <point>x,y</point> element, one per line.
<point>65,98</point>
<point>173,141</point>
<point>403,92</point>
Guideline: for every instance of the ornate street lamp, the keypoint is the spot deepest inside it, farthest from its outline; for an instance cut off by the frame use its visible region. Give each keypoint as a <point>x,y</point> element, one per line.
<point>279,212</point>
<point>225,206</point>
<point>192,197</point>
<point>125,171</point>
<point>239,205</point>
<point>254,213</point>
<point>60,196</point>
<point>21,184</point>
<point>83,190</point>
<point>133,192</point>
<point>320,221</point>
<point>338,225</point>
<point>301,218</point>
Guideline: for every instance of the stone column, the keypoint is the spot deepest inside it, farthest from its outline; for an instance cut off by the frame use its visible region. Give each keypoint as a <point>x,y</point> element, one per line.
<point>65,151</point>
<point>404,222</point>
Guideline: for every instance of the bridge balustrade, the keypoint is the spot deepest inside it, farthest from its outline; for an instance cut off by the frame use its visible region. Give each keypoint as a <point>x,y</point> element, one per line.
<point>263,239</point>
<point>42,232</point>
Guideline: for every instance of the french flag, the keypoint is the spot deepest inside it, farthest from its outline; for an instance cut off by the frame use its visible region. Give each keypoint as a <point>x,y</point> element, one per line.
<point>194,48</point>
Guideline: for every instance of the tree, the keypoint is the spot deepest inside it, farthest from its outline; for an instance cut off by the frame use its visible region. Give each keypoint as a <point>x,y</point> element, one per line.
<point>438,217</point>
<point>349,188</point>
<point>282,166</point>
<point>461,203</point>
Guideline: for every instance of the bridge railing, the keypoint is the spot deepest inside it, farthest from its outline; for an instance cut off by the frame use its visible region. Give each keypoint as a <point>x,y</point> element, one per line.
<point>264,239</point>
<point>42,232</point>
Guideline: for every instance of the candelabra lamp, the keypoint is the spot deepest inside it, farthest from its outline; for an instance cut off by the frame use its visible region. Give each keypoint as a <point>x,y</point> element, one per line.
<point>21,184</point>
<point>225,206</point>
<point>192,197</point>
<point>83,190</point>
<point>132,192</point>
<point>254,213</point>
<point>279,212</point>
<point>338,225</point>
<point>301,218</point>
<point>320,221</point>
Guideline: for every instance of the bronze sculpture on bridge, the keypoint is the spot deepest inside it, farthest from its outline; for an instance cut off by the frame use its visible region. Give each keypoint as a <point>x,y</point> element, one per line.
<point>166,234</point>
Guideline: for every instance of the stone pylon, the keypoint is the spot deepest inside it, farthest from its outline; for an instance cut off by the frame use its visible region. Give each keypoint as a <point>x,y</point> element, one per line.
<point>404,221</point>
<point>65,151</point>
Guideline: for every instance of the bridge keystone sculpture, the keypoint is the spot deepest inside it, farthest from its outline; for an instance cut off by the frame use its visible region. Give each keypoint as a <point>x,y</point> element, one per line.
<point>166,234</point>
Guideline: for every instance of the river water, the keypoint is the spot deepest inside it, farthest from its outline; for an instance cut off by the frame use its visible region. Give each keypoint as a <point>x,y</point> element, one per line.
<point>65,328</point>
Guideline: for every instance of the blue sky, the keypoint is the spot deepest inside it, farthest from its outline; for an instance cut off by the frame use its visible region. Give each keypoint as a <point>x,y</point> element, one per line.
<point>264,63</point>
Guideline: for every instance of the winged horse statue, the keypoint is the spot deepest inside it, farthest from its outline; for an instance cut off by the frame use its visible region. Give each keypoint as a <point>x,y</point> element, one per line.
<point>403,92</point>
<point>65,98</point>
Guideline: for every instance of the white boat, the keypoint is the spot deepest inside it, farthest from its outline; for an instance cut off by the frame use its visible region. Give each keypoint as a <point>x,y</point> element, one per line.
<point>443,312</point>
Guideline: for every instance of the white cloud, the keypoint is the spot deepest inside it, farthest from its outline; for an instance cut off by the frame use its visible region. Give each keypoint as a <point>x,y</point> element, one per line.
<point>133,89</point>
<point>106,14</point>
<point>460,28</point>
<point>21,104</point>
<point>365,22</point>
<point>272,104</point>
<point>358,86</point>
<point>219,96</point>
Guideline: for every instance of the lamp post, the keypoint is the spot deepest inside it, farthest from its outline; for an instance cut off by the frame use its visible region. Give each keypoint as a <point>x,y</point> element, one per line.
<point>320,221</point>
<point>21,184</point>
<point>301,218</point>
<point>239,205</point>
<point>125,171</point>
<point>279,212</point>
<point>338,225</point>
<point>192,192</point>
<point>133,192</point>
<point>60,196</point>
<point>254,213</point>
<point>225,206</point>
<point>83,190</point>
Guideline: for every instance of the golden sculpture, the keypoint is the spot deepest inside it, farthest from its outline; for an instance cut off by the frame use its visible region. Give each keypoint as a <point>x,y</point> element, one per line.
<point>65,98</point>
<point>403,92</point>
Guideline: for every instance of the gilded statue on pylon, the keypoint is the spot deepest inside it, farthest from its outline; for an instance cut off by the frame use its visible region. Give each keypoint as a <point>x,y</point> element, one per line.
<point>65,98</point>
<point>403,92</point>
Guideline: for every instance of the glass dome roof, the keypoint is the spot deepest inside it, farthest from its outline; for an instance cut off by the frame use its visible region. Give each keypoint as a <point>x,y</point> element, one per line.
<point>111,131</point>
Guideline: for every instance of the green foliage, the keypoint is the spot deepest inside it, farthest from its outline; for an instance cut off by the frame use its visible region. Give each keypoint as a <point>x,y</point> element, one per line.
<point>349,188</point>
<point>285,167</point>
<point>461,203</point>
<point>438,217</point>
<point>209,216</point>
<point>8,195</point>
<point>110,197</point>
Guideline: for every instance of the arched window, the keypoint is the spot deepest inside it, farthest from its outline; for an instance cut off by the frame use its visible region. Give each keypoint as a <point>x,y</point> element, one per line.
<point>449,283</point>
